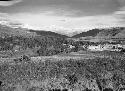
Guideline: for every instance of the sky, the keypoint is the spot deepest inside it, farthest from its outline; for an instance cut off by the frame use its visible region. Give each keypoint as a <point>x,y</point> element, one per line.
<point>65,16</point>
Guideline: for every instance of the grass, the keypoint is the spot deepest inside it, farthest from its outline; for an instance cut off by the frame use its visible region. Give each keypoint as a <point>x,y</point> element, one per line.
<point>67,73</point>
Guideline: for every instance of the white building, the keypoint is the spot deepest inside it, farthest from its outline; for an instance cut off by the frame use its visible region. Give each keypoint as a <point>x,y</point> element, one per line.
<point>95,48</point>
<point>109,47</point>
<point>119,45</point>
<point>101,47</point>
<point>71,46</point>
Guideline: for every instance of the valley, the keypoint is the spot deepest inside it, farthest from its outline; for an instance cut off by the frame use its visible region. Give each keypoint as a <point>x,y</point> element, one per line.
<point>33,60</point>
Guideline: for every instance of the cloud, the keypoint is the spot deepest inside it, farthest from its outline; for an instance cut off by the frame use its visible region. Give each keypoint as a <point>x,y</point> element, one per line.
<point>8,2</point>
<point>67,24</point>
<point>71,8</point>
<point>69,15</point>
<point>120,15</point>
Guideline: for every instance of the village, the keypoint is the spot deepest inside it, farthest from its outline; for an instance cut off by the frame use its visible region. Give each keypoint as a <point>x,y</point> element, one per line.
<point>117,47</point>
<point>108,47</point>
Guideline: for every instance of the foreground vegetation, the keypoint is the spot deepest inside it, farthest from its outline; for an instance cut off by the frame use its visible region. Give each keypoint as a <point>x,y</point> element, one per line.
<point>77,75</point>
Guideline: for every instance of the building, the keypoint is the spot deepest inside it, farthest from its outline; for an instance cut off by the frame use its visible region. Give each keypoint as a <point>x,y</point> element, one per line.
<point>71,46</point>
<point>95,47</point>
<point>108,47</point>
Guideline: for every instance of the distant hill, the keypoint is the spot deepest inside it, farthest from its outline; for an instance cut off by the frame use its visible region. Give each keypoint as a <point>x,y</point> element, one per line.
<point>47,33</point>
<point>9,31</point>
<point>92,32</point>
<point>118,32</point>
<point>105,34</point>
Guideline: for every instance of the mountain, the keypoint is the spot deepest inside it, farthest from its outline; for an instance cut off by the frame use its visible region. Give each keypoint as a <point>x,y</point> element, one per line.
<point>116,32</point>
<point>18,29</point>
<point>47,33</point>
<point>92,32</point>
<point>103,34</point>
<point>9,31</point>
<point>109,34</point>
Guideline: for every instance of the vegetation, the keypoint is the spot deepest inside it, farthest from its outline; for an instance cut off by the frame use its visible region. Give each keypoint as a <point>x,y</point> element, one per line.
<point>87,74</point>
<point>66,74</point>
<point>46,43</point>
<point>92,32</point>
<point>44,46</point>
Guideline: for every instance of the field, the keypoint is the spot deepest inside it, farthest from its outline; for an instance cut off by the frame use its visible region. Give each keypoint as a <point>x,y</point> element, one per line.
<point>81,71</point>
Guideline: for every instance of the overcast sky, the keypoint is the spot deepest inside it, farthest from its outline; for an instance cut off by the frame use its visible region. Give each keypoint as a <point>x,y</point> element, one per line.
<point>68,15</point>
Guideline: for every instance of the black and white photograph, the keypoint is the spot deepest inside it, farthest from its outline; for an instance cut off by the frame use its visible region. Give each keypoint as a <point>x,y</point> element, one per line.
<point>62,45</point>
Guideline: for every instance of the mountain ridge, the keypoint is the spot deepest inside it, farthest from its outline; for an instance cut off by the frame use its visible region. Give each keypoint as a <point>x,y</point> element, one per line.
<point>92,32</point>
<point>16,28</point>
<point>112,33</point>
<point>19,31</point>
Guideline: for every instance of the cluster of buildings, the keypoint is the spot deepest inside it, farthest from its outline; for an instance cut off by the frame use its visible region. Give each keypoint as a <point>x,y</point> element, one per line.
<point>98,47</point>
<point>108,47</point>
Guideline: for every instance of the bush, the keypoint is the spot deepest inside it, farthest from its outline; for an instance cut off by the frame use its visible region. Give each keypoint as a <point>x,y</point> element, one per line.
<point>23,58</point>
<point>72,79</point>
<point>108,89</point>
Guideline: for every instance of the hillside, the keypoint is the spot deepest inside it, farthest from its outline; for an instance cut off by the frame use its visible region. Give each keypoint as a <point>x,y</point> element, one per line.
<point>9,31</point>
<point>105,34</point>
<point>118,32</point>
<point>92,32</point>
<point>47,33</point>
<point>20,41</point>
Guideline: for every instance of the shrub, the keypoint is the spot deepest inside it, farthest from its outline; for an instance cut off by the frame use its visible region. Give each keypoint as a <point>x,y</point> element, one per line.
<point>72,79</point>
